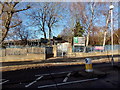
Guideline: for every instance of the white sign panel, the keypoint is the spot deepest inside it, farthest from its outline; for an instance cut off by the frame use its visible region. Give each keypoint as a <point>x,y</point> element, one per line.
<point>79,41</point>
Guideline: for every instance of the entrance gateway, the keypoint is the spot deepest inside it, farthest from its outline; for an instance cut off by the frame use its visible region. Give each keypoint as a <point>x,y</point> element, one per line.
<point>62,49</point>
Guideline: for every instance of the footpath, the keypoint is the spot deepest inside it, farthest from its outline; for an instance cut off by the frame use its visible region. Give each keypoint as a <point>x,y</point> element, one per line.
<point>58,61</point>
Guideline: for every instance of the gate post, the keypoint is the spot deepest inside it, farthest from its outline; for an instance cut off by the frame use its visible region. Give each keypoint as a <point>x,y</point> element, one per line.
<point>69,52</point>
<point>55,50</point>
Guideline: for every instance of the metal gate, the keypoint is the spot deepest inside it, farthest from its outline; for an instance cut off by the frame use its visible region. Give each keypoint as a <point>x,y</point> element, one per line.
<point>49,52</point>
<point>62,49</point>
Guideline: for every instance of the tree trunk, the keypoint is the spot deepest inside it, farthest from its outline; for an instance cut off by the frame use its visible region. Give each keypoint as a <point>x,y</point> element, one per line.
<point>44,34</point>
<point>87,41</point>
<point>49,33</point>
<point>3,36</point>
<point>104,38</point>
<point>105,32</point>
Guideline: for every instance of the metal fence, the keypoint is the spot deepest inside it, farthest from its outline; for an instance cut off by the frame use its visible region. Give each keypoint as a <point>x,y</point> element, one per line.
<point>92,48</point>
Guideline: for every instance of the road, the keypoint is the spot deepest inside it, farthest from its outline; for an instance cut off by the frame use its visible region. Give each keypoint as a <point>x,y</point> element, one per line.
<point>59,77</point>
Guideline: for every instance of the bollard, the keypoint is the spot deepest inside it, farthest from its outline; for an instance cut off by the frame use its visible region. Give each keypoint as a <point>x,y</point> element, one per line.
<point>88,65</point>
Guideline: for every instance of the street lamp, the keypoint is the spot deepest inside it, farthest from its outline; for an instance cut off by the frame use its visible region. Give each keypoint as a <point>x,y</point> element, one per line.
<point>111,11</point>
<point>73,32</point>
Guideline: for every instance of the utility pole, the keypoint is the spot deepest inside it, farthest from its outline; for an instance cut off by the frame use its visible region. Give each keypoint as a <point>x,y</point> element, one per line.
<point>111,11</point>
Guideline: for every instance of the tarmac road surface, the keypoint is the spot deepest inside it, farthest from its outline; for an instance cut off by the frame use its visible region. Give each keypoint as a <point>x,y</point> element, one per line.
<point>59,77</point>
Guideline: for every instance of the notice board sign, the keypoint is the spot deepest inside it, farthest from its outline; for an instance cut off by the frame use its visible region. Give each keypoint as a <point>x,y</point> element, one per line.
<point>79,41</point>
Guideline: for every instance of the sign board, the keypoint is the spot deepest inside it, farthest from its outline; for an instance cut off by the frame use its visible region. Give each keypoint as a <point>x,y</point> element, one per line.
<point>63,46</point>
<point>79,41</point>
<point>99,48</point>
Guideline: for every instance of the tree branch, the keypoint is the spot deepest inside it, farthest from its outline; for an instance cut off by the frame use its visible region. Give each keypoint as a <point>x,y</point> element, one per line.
<point>16,25</point>
<point>22,9</point>
<point>15,4</point>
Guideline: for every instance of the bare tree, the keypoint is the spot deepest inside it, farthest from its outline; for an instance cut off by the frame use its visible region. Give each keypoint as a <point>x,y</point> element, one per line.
<point>106,13</point>
<point>117,36</point>
<point>45,16</point>
<point>22,33</point>
<point>86,16</point>
<point>53,16</point>
<point>106,28</point>
<point>89,14</point>
<point>67,34</point>
<point>7,13</point>
<point>96,37</point>
<point>38,17</point>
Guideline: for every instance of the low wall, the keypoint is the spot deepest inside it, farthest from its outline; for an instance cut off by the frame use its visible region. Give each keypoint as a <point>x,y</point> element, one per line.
<point>34,53</point>
<point>27,57</point>
<point>22,54</point>
<point>21,51</point>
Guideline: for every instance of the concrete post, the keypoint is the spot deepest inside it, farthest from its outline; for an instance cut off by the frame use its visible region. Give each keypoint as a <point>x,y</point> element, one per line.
<point>55,50</point>
<point>69,50</point>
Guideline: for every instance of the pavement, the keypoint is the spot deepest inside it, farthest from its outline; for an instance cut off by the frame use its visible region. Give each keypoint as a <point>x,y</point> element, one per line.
<point>63,77</point>
<point>56,59</point>
<point>17,65</point>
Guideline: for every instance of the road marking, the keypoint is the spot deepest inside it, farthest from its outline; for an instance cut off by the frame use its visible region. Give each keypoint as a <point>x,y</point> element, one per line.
<point>4,82</point>
<point>59,84</point>
<point>1,79</point>
<point>33,81</point>
<point>66,78</point>
<point>52,85</point>
<point>39,78</point>
<point>30,84</point>
<point>54,73</point>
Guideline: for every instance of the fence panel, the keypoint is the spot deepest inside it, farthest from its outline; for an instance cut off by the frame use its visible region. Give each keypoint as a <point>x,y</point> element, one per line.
<point>92,48</point>
<point>16,51</point>
<point>2,52</point>
<point>36,50</point>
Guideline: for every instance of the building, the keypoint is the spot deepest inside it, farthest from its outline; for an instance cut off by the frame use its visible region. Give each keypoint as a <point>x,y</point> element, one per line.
<point>32,42</point>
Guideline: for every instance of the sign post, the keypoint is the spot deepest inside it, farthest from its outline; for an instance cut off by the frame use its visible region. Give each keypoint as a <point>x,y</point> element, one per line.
<point>79,41</point>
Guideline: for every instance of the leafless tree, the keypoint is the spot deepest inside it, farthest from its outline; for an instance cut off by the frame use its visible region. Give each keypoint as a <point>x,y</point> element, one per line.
<point>8,9</point>
<point>86,16</point>
<point>38,17</point>
<point>53,16</point>
<point>67,34</point>
<point>116,36</point>
<point>45,15</point>
<point>90,13</point>
<point>106,13</point>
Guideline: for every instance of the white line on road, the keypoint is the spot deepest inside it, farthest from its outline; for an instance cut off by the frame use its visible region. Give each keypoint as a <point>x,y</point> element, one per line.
<point>67,83</point>
<point>33,81</point>
<point>54,73</point>
<point>1,79</point>
<point>30,84</point>
<point>39,78</point>
<point>52,85</point>
<point>66,78</point>
<point>4,82</point>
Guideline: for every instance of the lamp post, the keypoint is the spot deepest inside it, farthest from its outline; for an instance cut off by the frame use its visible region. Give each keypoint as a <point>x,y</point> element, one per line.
<point>73,32</point>
<point>111,11</point>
